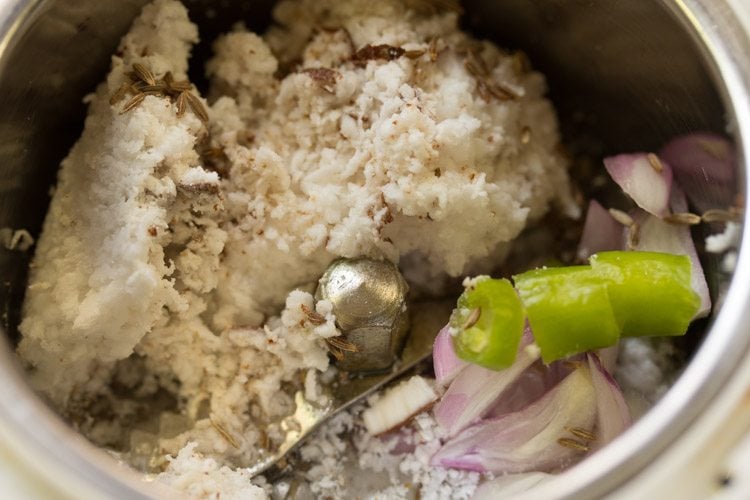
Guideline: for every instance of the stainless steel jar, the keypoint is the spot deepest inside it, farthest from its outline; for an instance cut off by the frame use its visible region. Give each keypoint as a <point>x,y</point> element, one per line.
<point>623,75</point>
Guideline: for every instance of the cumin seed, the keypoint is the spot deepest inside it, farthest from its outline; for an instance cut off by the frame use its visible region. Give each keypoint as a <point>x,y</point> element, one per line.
<point>181,103</point>
<point>133,103</point>
<point>474,316</point>
<point>326,78</point>
<point>472,68</point>
<point>683,218</point>
<point>119,94</point>
<point>159,87</point>
<point>718,215</point>
<point>342,344</point>
<point>573,444</point>
<point>312,315</point>
<point>634,236</point>
<point>717,150</point>
<point>621,217</point>
<point>507,91</point>
<point>655,162</point>
<point>197,106</point>
<point>224,433</point>
<point>336,352</point>
<point>433,51</point>
<point>582,433</point>
<point>144,74</point>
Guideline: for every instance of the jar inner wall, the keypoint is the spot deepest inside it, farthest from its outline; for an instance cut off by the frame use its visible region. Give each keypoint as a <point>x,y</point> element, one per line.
<point>623,76</point>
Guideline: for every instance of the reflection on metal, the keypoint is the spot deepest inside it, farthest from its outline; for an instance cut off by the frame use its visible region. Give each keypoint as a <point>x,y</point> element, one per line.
<point>428,318</point>
<point>369,302</point>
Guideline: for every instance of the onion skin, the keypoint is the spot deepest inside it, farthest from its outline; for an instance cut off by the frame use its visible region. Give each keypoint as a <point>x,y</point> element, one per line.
<point>600,232</point>
<point>475,390</point>
<point>656,235</point>
<point>532,439</point>
<point>640,178</point>
<point>703,165</point>
<point>613,414</point>
<point>445,361</point>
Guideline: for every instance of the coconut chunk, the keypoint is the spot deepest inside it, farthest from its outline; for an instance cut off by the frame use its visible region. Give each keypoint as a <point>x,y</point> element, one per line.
<point>399,404</point>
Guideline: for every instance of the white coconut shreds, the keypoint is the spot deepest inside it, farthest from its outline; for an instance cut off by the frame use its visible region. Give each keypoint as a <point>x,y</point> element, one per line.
<point>198,477</point>
<point>169,300</point>
<point>727,243</point>
<point>400,459</point>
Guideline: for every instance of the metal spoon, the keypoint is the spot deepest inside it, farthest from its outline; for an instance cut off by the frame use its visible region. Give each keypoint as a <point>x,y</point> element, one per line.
<point>426,320</point>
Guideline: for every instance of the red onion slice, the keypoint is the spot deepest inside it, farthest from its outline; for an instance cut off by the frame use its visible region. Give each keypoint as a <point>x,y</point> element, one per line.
<point>600,232</point>
<point>608,357</point>
<point>703,165</point>
<point>646,180</point>
<point>613,415</point>
<point>541,437</point>
<point>536,381</point>
<point>446,364</point>
<point>475,390</point>
<point>656,235</point>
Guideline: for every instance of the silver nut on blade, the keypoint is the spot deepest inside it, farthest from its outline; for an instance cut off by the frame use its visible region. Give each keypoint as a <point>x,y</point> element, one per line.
<point>369,302</point>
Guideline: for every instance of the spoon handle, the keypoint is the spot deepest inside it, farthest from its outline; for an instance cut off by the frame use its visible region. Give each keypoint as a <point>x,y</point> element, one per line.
<point>427,318</point>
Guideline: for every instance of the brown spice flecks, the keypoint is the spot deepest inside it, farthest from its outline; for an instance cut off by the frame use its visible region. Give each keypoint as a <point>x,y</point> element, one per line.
<point>342,344</point>
<point>337,353</point>
<point>521,62</point>
<point>414,54</point>
<point>718,150</point>
<point>174,86</point>
<point>388,217</point>
<point>325,78</point>
<point>133,103</point>
<point>313,316</point>
<point>718,215</point>
<point>202,187</point>
<point>683,218</point>
<point>572,444</point>
<point>474,316</point>
<point>224,433</point>
<point>486,93</point>
<point>144,74</point>
<point>433,49</point>
<point>214,158</point>
<point>181,104</point>
<point>487,88</point>
<point>634,236</point>
<point>621,217</point>
<point>197,106</point>
<point>582,433</point>
<point>120,93</point>
<point>655,162</point>
<point>372,52</point>
<point>152,231</point>
<point>143,82</point>
<point>473,69</point>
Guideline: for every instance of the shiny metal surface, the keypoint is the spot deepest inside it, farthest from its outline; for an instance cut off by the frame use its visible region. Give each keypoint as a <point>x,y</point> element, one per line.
<point>623,75</point>
<point>428,318</point>
<point>369,302</point>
